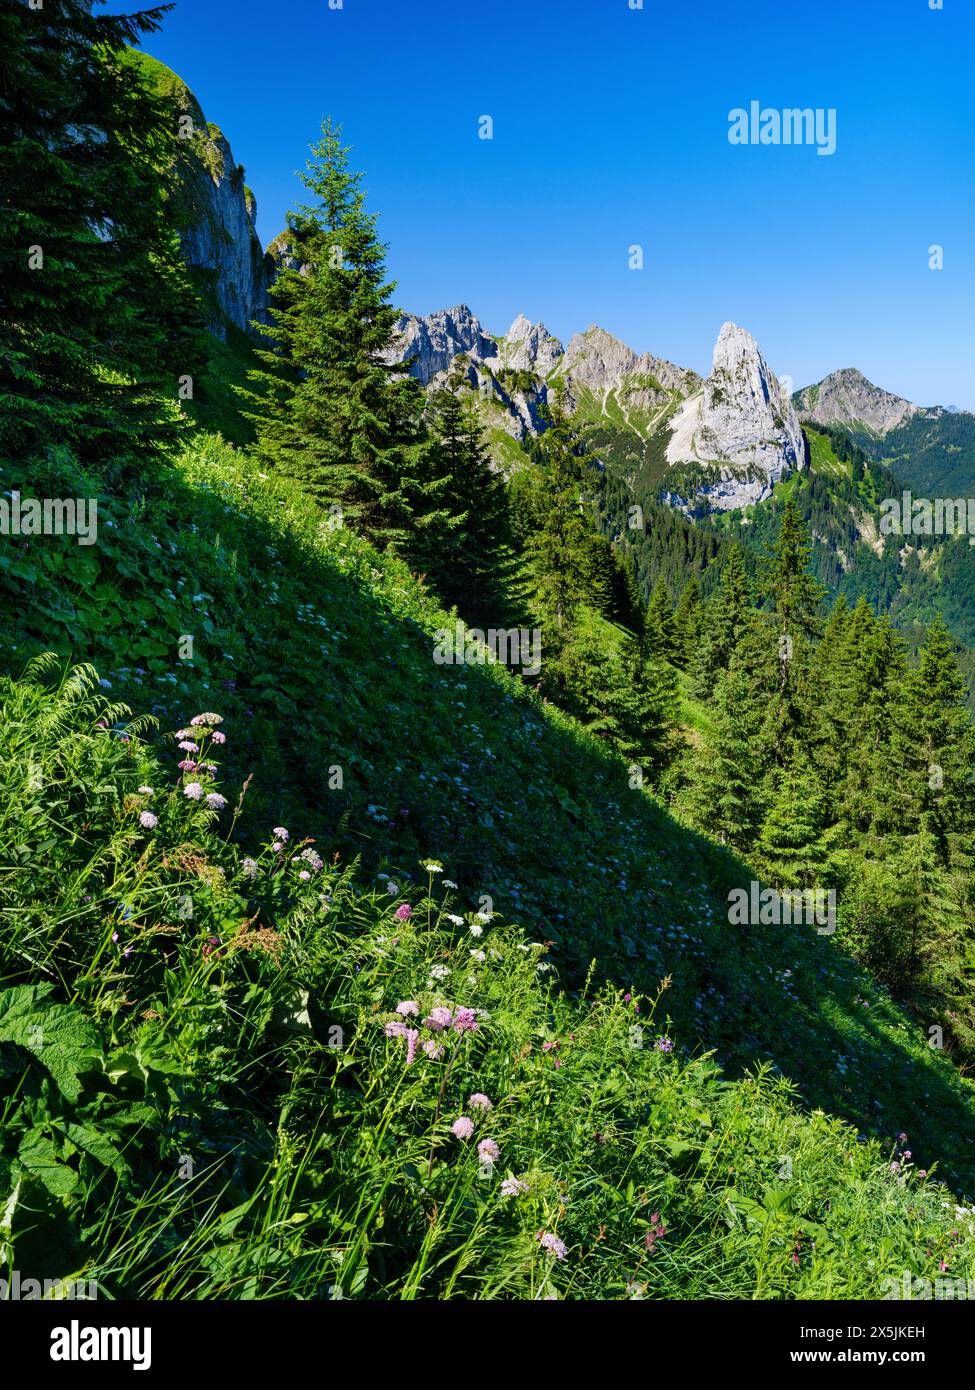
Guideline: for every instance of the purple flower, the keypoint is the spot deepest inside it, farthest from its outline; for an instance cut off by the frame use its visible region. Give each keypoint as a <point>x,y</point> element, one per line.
<point>403,912</point>
<point>280,833</point>
<point>513,1187</point>
<point>206,719</point>
<point>189,747</point>
<point>215,801</point>
<point>479,1101</point>
<point>462,1128</point>
<point>437,1018</point>
<point>549,1242</point>
<point>193,790</point>
<point>664,1045</point>
<point>145,791</point>
<point>304,875</point>
<point>488,1151</point>
<point>465,1021</point>
<point>218,737</point>
<point>412,1038</point>
<point>433,1050</point>
<point>147,819</point>
<point>408,1007</point>
<point>249,866</point>
<point>187,765</point>
<point>395,1029</point>
<point>277,846</point>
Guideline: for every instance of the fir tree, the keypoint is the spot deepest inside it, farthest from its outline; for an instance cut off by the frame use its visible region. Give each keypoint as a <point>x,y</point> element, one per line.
<point>101,318</point>
<point>659,627</point>
<point>327,407</point>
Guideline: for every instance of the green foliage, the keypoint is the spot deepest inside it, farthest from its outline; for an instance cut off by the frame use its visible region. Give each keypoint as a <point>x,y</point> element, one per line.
<point>101,319</point>
<point>261,1077</point>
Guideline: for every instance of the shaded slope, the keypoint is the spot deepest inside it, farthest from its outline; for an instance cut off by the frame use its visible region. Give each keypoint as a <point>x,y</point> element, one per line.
<point>318,652</point>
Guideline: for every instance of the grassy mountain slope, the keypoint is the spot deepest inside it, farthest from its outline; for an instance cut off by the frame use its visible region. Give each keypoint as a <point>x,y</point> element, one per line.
<point>318,653</point>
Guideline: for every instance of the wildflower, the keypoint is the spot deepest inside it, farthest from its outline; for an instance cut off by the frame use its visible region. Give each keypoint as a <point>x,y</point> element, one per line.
<point>664,1045</point>
<point>895,1167</point>
<point>412,1038</point>
<point>513,1187</point>
<point>187,765</point>
<point>403,912</point>
<point>392,888</point>
<point>315,861</point>
<point>439,972</point>
<point>145,791</point>
<point>277,846</point>
<point>902,1138</point>
<point>449,883</point>
<point>218,737</point>
<point>488,1151</point>
<point>452,917</point>
<point>189,747</point>
<point>465,1021</point>
<point>215,801</point>
<point>105,685</point>
<point>432,866</point>
<point>437,1019</point>
<point>655,1231</point>
<point>484,916</point>
<point>476,930</point>
<point>408,1007</point>
<point>249,866</point>
<point>433,1050</point>
<point>550,1242</point>
<point>479,1101</point>
<point>206,719</point>
<point>148,820</point>
<point>395,1029</point>
<point>304,875</point>
<point>462,1128</point>
<point>280,833</point>
<point>479,956</point>
<point>193,790</point>
<point>115,937</point>
<point>210,943</point>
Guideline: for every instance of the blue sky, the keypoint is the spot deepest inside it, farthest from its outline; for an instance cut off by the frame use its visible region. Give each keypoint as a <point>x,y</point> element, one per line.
<point>611,129</point>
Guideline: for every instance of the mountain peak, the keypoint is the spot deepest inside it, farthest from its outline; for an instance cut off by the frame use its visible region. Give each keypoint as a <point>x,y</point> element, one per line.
<point>847,397</point>
<point>741,420</point>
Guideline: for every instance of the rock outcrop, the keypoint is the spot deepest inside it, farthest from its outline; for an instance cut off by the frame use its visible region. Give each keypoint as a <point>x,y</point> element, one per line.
<point>217,211</point>
<point>741,424</point>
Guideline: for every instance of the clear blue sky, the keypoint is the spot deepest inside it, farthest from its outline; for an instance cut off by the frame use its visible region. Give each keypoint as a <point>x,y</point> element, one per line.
<point>611,128</point>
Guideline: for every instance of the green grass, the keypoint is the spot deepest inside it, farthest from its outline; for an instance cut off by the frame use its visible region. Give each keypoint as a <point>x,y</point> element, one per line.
<point>772,1125</point>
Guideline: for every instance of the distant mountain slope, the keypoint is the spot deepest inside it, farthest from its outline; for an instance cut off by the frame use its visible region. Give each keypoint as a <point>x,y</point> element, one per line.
<point>930,448</point>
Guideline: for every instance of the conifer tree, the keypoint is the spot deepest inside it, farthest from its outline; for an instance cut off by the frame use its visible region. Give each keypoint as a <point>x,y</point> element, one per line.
<point>327,406</point>
<point>688,618</point>
<point>723,623</point>
<point>792,850</point>
<point>101,319</point>
<point>724,798</point>
<point>659,627</point>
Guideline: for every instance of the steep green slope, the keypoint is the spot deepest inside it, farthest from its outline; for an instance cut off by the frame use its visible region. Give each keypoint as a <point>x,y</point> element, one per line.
<point>319,654</point>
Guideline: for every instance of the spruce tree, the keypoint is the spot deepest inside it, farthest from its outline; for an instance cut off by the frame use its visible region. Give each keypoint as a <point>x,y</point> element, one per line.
<point>792,850</point>
<point>101,319</point>
<point>688,618</point>
<point>661,635</point>
<point>327,407</point>
<point>724,798</point>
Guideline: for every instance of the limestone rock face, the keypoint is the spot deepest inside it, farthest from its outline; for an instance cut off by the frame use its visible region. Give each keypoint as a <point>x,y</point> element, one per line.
<point>741,422</point>
<point>847,398</point>
<point>434,341</point>
<point>215,208</point>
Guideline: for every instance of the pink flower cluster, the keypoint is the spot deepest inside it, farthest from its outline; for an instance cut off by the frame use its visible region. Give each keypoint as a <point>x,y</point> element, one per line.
<point>438,1020</point>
